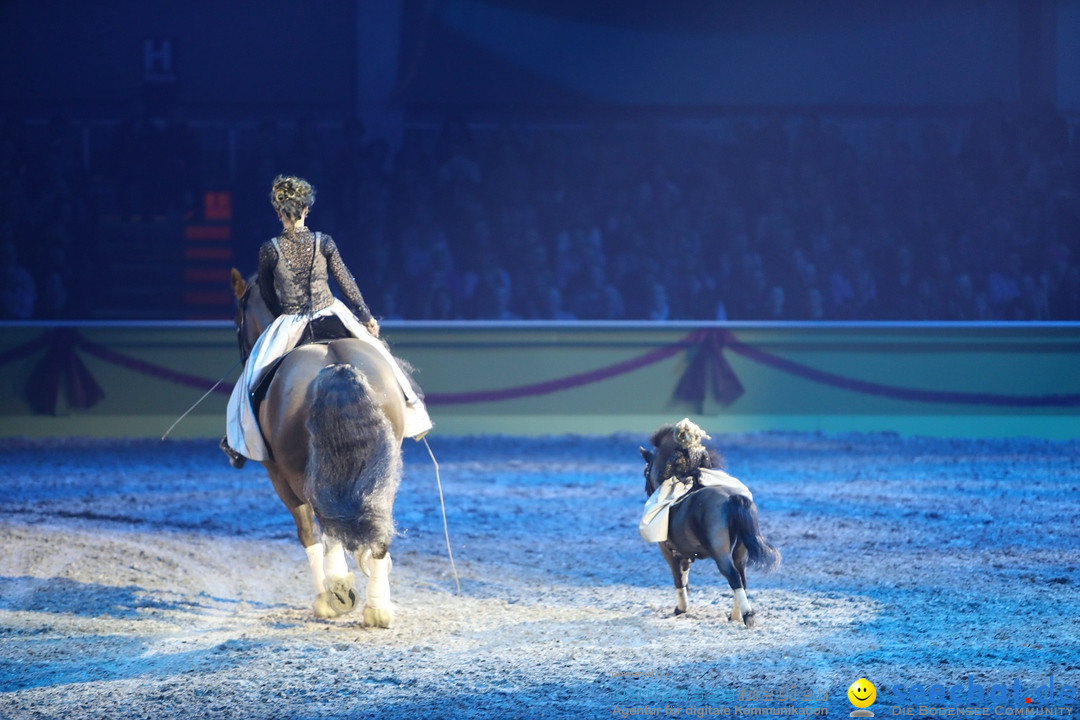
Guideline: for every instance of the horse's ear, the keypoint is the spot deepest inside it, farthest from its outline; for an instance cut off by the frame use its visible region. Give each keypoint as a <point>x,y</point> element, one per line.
<point>239,285</point>
<point>646,455</point>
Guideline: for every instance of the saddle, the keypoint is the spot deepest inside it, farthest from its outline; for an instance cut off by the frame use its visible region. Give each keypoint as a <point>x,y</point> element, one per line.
<point>320,330</point>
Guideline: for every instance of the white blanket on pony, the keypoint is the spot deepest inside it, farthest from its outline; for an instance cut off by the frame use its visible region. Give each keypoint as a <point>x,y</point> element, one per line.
<point>654,522</point>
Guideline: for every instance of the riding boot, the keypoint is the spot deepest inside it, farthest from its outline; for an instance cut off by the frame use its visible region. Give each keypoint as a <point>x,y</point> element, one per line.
<point>235,459</point>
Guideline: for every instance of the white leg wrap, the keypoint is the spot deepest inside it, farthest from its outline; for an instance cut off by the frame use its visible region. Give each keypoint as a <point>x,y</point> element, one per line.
<point>681,598</point>
<point>378,585</point>
<point>742,605</point>
<point>335,561</point>
<point>315,555</point>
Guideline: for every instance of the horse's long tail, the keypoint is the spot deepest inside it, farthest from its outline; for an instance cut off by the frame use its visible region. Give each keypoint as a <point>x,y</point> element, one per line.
<point>743,526</point>
<point>354,466</point>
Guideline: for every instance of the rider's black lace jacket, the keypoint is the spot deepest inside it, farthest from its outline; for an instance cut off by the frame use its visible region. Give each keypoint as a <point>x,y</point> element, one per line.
<point>297,268</point>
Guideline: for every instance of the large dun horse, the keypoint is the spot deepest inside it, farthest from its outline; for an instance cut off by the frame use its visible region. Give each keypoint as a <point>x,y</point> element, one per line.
<point>331,417</point>
<point>713,521</point>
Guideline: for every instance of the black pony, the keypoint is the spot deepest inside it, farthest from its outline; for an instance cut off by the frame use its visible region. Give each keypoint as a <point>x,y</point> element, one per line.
<point>717,521</point>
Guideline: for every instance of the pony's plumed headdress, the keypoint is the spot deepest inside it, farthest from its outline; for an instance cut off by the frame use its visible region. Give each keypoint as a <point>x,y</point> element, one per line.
<point>691,453</point>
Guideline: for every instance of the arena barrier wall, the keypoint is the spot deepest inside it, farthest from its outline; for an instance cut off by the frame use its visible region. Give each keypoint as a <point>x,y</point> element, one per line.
<point>949,379</point>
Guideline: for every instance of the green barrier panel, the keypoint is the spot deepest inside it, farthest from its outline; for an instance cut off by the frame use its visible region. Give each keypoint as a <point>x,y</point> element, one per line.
<point>132,379</point>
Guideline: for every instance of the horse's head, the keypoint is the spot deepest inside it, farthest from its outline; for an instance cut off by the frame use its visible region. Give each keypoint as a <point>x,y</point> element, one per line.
<point>252,315</point>
<point>677,452</point>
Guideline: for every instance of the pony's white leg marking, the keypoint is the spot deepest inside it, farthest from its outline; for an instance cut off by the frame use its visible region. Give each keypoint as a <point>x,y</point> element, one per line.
<point>378,611</point>
<point>335,560</point>
<point>681,595</point>
<point>742,605</point>
<point>315,555</point>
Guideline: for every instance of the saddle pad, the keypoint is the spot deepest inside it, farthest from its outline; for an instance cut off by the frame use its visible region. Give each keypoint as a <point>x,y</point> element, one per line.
<point>654,521</point>
<point>719,478</point>
<point>319,330</point>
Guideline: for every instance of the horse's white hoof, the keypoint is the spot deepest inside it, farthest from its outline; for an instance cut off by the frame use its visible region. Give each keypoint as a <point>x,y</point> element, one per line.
<point>378,617</point>
<point>322,607</point>
<point>341,593</point>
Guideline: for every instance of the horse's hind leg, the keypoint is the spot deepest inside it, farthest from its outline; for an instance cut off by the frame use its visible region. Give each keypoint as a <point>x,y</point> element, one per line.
<point>378,610</point>
<point>308,534</point>
<point>304,518</point>
<point>339,587</point>
<point>742,610</point>
<point>680,573</point>
<point>730,559</point>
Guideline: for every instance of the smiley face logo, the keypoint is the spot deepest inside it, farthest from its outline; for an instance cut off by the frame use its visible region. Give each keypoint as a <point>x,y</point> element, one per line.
<point>862,693</point>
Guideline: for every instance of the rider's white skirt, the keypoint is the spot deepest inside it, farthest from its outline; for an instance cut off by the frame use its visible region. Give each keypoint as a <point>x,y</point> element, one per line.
<point>241,425</point>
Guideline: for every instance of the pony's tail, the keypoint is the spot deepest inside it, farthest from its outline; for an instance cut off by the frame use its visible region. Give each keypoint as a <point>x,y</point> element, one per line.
<point>354,464</point>
<point>743,526</point>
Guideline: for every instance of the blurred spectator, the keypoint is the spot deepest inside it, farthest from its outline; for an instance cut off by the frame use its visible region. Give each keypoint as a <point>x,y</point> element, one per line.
<point>19,289</point>
<point>658,303</point>
<point>769,217</point>
<point>132,162</point>
<point>553,308</point>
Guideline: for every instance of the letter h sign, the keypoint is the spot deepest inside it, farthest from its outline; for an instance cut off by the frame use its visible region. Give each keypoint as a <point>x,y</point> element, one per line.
<point>158,60</point>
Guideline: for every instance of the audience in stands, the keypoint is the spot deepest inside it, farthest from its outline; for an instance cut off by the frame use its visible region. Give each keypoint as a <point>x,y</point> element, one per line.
<point>771,218</point>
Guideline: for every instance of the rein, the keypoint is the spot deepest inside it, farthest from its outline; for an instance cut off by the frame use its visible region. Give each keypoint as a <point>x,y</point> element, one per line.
<point>244,352</point>
<point>204,396</point>
<point>442,503</point>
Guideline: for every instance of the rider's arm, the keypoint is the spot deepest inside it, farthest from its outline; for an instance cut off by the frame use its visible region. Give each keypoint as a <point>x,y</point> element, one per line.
<point>345,280</point>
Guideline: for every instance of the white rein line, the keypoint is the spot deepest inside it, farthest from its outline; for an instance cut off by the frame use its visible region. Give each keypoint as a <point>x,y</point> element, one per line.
<point>446,529</point>
<point>205,394</point>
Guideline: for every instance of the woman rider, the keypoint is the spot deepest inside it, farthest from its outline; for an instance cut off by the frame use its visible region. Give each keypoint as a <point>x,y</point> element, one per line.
<point>294,268</point>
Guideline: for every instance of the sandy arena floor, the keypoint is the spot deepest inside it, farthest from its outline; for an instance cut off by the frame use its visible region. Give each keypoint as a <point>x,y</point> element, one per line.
<point>142,579</point>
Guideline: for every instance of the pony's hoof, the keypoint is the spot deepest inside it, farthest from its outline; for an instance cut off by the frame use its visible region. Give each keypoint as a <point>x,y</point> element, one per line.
<point>679,611</point>
<point>378,617</point>
<point>341,594</point>
<point>748,619</point>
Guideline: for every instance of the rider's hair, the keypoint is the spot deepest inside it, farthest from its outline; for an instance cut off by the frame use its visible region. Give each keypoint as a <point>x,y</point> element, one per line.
<point>291,195</point>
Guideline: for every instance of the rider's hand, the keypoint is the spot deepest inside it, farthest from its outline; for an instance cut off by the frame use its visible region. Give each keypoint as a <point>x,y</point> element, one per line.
<point>373,327</point>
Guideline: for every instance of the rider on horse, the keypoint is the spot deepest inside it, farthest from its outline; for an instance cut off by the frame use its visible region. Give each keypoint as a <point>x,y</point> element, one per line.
<point>294,270</point>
